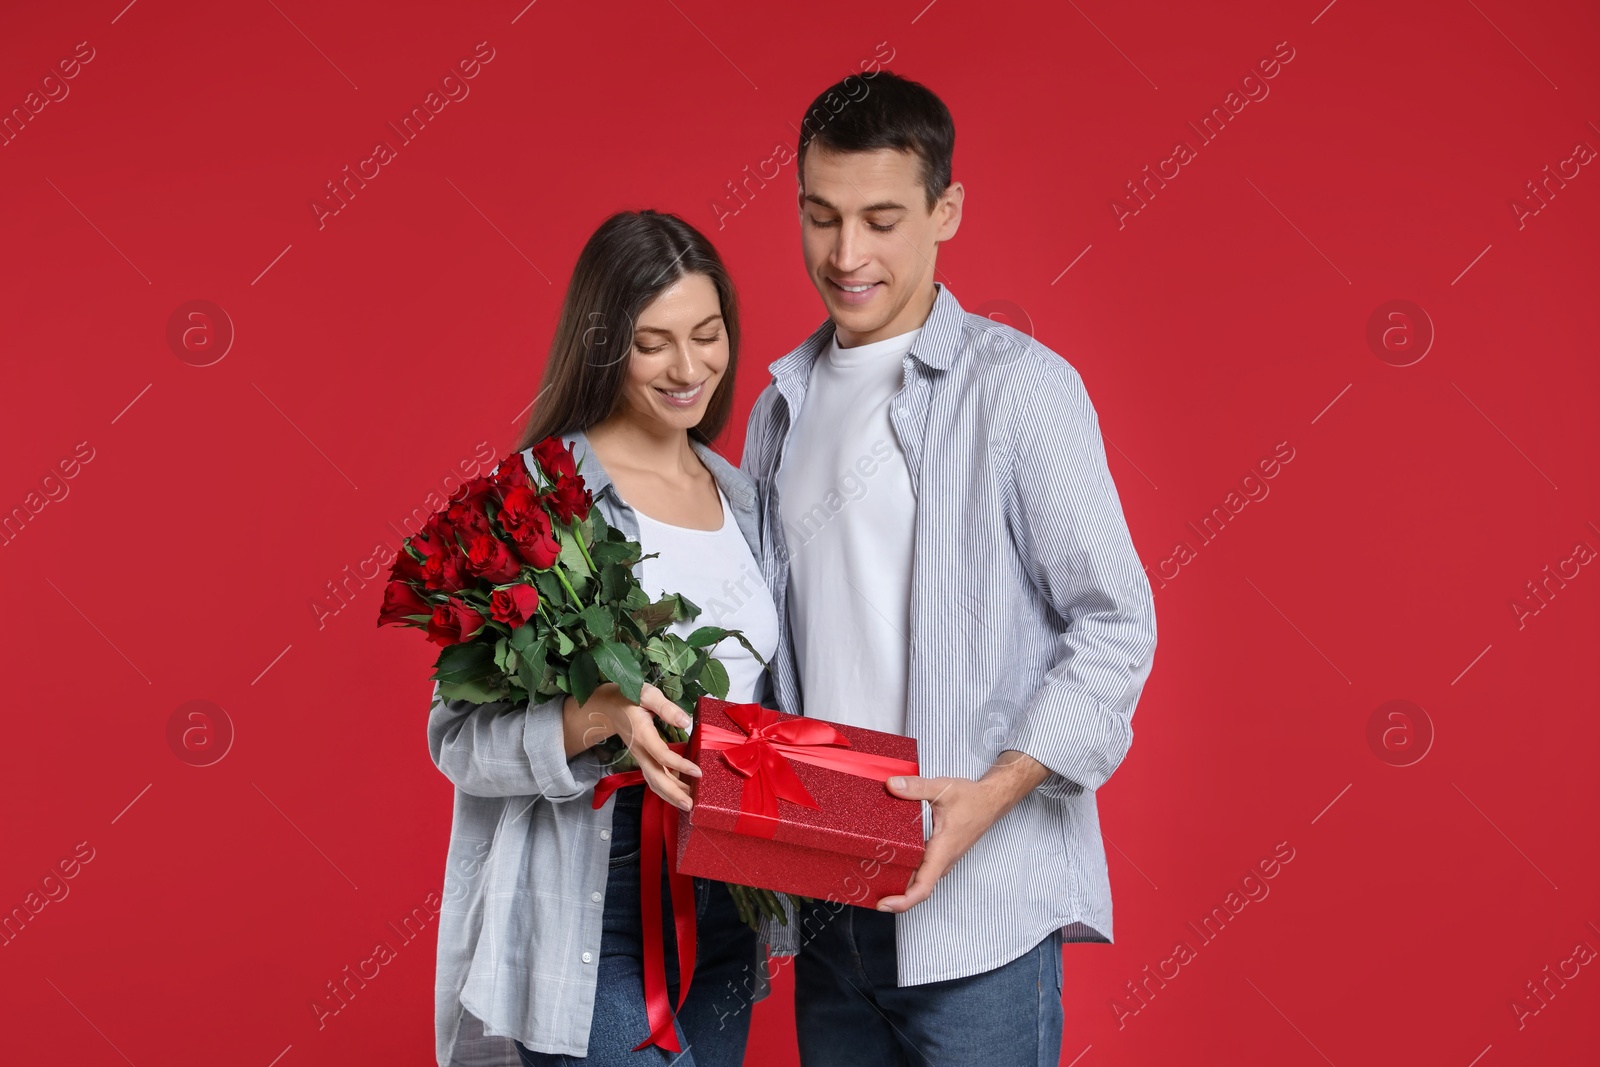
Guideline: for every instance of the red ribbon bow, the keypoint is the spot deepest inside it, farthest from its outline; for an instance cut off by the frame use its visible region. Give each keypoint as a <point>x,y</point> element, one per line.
<point>658,825</point>
<point>761,756</point>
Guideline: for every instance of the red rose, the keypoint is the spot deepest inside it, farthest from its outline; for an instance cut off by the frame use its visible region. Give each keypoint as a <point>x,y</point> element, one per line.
<point>570,499</point>
<point>555,458</point>
<point>491,560</point>
<point>405,568</point>
<point>528,526</point>
<point>514,605</point>
<point>469,518</point>
<point>399,601</point>
<point>473,491</point>
<point>436,536</point>
<point>512,473</point>
<point>453,623</point>
<point>446,571</point>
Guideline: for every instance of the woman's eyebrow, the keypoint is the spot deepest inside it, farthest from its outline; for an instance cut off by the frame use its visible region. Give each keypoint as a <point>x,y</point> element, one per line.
<point>657,329</point>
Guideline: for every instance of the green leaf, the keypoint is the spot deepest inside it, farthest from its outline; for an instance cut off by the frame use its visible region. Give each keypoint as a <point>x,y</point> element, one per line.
<point>550,590</point>
<point>572,558</point>
<point>500,647</point>
<point>739,636</point>
<point>584,677</point>
<point>522,638</point>
<point>473,691</point>
<point>617,662</point>
<point>707,636</point>
<point>598,620</point>
<point>622,552</point>
<point>672,686</point>
<point>637,598</point>
<point>715,678</point>
<point>536,655</point>
<point>614,581</point>
<point>654,617</point>
<point>658,651</point>
<point>465,661</point>
<point>564,645</point>
<point>631,628</point>
<point>687,608</point>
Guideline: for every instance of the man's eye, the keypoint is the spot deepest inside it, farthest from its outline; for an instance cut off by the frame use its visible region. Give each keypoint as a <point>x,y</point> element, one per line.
<point>881,229</point>
<point>821,223</point>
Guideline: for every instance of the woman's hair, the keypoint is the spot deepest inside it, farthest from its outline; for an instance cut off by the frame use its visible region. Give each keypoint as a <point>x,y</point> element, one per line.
<point>627,263</point>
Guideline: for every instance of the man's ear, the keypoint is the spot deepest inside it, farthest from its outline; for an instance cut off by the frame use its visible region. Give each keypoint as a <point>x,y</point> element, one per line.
<point>948,211</point>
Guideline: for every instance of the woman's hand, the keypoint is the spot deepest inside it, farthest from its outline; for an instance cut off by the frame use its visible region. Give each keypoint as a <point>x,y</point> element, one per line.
<point>609,712</point>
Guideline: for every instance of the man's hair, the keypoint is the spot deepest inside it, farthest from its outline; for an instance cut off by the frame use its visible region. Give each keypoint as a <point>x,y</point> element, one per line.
<point>883,110</point>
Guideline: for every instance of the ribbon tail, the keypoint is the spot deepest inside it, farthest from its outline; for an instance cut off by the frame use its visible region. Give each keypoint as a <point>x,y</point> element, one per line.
<point>658,1010</point>
<point>758,808</point>
<point>683,903</point>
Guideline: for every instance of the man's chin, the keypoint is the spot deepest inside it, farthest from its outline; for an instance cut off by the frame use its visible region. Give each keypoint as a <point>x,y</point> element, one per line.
<point>860,320</point>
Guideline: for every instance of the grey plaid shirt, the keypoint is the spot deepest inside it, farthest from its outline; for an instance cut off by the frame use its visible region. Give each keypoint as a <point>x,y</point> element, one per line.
<point>525,878</point>
<point>1032,622</point>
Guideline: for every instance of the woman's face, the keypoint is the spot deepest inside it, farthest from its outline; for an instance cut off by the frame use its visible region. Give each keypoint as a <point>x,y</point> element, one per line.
<point>680,351</point>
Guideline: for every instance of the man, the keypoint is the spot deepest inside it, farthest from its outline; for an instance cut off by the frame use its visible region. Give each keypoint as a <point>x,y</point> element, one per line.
<point>950,561</point>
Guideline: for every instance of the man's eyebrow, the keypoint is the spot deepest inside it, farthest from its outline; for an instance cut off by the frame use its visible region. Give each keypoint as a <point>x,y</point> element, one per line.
<point>656,329</point>
<point>882,205</point>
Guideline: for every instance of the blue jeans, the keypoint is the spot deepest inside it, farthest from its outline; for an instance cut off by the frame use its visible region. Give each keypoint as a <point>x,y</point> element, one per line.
<point>715,1021</point>
<point>850,1010</point>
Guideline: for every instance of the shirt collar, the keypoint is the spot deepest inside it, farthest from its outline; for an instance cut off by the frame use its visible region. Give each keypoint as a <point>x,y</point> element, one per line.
<point>937,346</point>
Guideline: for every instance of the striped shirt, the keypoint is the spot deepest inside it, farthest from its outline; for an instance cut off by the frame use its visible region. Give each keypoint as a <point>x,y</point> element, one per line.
<point>1032,624</point>
<point>525,877</point>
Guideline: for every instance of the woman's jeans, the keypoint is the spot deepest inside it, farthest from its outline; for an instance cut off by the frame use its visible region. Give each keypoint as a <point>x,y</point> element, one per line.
<point>715,1020</point>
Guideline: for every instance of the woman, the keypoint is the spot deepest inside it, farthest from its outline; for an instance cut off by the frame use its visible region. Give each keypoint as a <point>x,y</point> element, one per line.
<point>540,932</point>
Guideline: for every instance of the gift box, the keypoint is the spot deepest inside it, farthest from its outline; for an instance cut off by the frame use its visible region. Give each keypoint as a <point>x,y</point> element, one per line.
<point>799,805</point>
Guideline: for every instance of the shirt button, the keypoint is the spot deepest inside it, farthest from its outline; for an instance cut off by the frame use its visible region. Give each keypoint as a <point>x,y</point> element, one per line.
<point>605,835</point>
<point>587,957</point>
<point>595,896</point>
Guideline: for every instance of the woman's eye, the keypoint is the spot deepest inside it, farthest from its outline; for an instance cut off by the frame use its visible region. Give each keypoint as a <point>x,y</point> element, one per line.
<point>709,340</point>
<point>647,351</point>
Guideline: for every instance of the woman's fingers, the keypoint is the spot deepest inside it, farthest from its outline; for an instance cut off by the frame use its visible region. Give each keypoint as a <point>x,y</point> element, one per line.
<point>657,750</point>
<point>645,730</point>
<point>661,767</point>
<point>655,701</point>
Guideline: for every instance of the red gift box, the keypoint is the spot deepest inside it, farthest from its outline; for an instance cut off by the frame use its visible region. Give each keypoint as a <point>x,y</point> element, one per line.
<point>799,805</point>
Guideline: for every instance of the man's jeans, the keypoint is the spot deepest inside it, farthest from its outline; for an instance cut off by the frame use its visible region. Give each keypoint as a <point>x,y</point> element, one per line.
<point>715,1021</point>
<point>849,1010</point>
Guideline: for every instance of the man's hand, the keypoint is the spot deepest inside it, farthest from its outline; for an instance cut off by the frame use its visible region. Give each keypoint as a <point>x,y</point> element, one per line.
<point>963,810</point>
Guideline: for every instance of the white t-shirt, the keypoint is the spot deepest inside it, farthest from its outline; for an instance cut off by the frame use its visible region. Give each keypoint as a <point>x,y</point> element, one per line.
<point>717,572</point>
<point>849,518</point>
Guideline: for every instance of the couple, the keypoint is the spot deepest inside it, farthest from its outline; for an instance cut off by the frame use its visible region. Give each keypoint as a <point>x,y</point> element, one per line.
<point>922,538</point>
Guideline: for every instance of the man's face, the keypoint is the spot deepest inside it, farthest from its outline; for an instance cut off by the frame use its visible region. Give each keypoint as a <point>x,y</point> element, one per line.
<point>870,240</point>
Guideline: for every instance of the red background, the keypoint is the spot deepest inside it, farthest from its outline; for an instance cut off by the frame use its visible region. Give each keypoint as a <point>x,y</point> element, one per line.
<point>1230,314</point>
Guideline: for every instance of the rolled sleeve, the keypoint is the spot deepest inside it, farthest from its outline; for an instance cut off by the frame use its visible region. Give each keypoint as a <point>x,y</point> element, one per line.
<point>1075,538</point>
<point>503,749</point>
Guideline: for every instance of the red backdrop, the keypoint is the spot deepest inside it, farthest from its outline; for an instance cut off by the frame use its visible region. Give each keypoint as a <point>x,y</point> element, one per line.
<point>204,501</point>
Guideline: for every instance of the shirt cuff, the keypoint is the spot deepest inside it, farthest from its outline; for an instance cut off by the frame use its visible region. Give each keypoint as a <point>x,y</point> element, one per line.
<point>544,740</point>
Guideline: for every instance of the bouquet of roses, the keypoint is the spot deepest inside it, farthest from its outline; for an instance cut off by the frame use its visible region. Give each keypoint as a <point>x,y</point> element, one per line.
<point>530,595</point>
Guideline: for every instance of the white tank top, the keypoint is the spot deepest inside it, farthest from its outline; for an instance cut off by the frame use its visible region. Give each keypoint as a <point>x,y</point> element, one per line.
<point>717,572</point>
